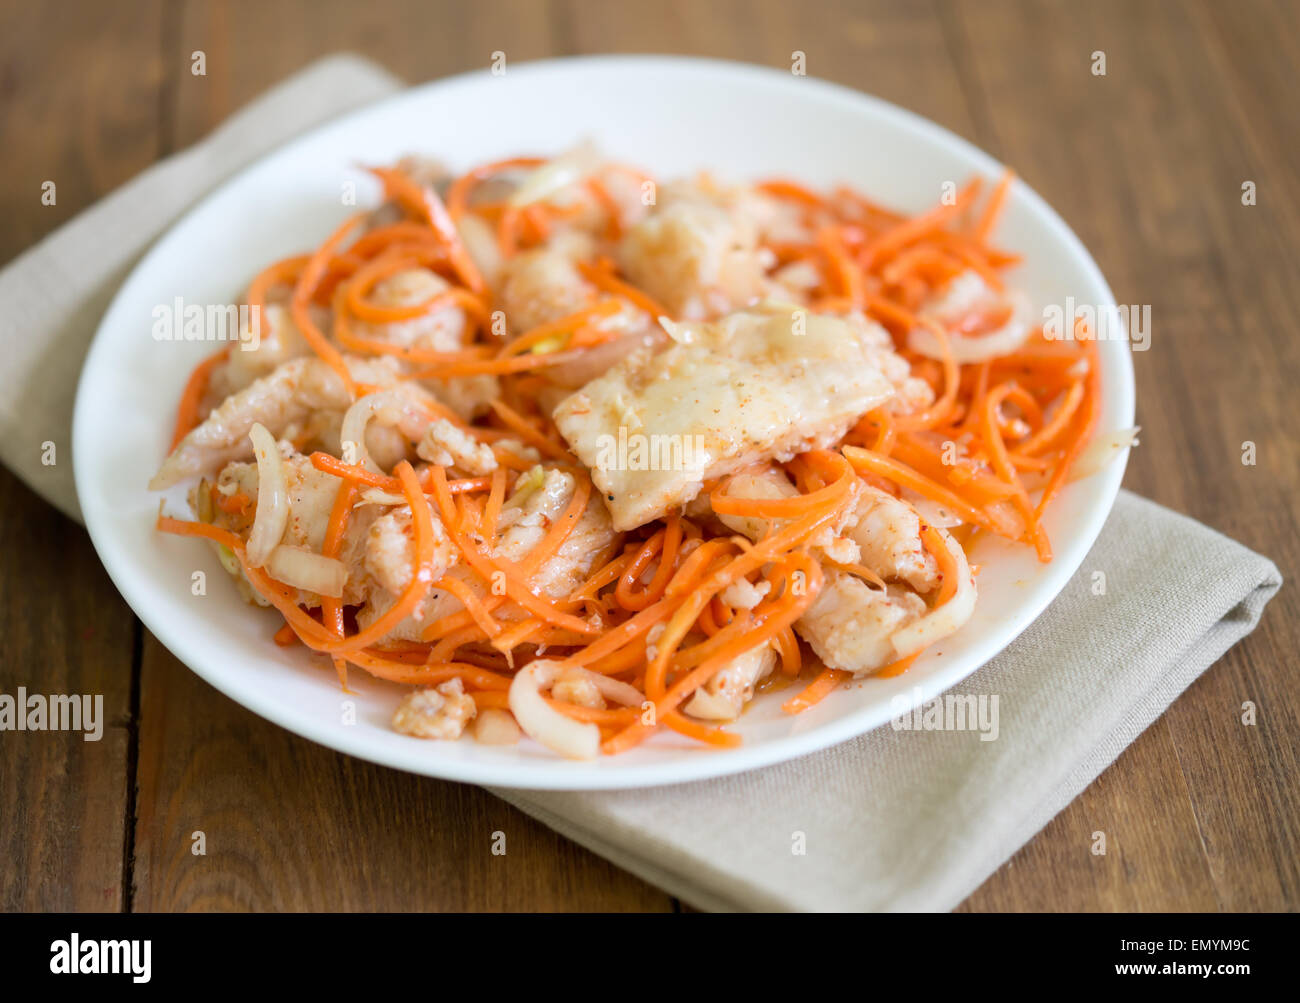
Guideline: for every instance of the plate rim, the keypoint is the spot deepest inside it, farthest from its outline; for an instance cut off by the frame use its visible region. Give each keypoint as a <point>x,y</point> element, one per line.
<point>557,774</point>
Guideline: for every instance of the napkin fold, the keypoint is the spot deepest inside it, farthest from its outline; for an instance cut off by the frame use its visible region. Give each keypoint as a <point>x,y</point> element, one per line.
<point>893,820</point>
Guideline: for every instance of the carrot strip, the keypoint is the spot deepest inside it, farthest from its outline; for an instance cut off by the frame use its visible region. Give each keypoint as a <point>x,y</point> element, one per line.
<point>984,228</point>
<point>604,278</point>
<point>897,668</point>
<point>827,681</point>
<point>562,327</point>
<point>516,587</point>
<point>332,608</point>
<point>518,424</point>
<point>917,227</point>
<point>458,196</point>
<point>942,407</point>
<point>725,504</point>
<point>865,461</point>
<point>992,436</point>
<point>424,202</point>
<point>300,304</point>
<point>195,387</point>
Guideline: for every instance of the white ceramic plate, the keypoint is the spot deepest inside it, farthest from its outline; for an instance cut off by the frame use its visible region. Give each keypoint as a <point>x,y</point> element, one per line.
<point>672,116</point>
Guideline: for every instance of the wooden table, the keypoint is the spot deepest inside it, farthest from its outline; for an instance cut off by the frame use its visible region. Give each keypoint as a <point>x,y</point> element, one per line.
<point>1147,163</point>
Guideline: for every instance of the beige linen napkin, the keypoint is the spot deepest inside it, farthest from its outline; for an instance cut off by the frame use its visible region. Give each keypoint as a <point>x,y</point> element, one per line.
<point>892,820</point>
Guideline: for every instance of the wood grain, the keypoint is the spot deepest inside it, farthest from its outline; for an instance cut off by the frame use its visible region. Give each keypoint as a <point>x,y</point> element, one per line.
<point>290,825</point>
<point>83,116</point>
<point>1146,163</point>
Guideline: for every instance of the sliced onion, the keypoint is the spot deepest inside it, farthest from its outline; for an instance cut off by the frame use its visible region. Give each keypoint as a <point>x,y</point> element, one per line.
<point>682,334</point>
<point>272,497</point>
<point>976,348</point>
<point>391,408</point>
<point>203,501</point>
<point>1102,451</point>
<point>945,619</point>
<point>544,181</point>
<point>710,706</point>
<point>621,693</point>
<point>481,243</point>
<point>1007,521</point>
<point>543,723</point>
<point>307,570</point>
<point>495,727</point>
<point>932,512</point>
<point>378,496</point>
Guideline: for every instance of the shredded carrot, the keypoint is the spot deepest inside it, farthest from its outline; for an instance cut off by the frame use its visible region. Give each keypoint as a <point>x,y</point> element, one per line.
<point>663,546</point>
<point>827,681</point>
<point>424,201</point>
<point>792,192</point>
<point>563,327</point>
<point>195,387</point>
<point>461,191</point>
<point>984,228</point>
<point>374,272</point>
<point>300,304</point>
<point>331,608</point>
<point>865,461</point>
<point>657,607</point>
<point>602,276</point>
<point>421,563</point>
<point>896,668</point>
<point>833,493</point>
<point>516,586</point>
<point>518,424</point>
<point>942,407</point>
<point>848,275</point>
<point>917,227</point>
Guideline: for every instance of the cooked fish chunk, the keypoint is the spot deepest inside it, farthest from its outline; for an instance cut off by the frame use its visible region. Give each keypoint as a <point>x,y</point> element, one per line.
<point>291,393</point>
<point>441,330</point>
<point>440,712</point>
<point>724,696</point>
<point>543,284</point>
<point>278,340</point>
<point>889,532</point>
<point>450,445</point>
<point>759,384</point>
<point>849,624</point>
<point>527,516</point>
<point>390,548</point>
<point>311,494</point>
<point>697,253</point>
<point>538,501</point>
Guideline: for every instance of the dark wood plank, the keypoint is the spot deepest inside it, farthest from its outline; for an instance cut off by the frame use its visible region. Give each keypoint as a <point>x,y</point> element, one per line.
<point>1147,164</point>
<point>248,47</point>
<point>81,114</point>
<point>73,109</point>
<point>894,49</point>
<point>63,800</point>
<point>290,825</point>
